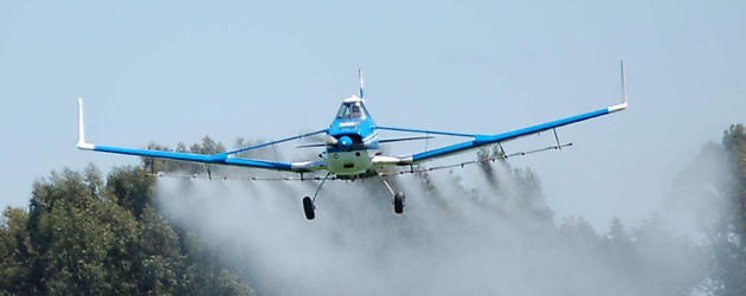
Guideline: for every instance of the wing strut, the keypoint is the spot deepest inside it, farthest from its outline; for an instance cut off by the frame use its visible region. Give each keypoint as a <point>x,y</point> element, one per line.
<point>556,138</point>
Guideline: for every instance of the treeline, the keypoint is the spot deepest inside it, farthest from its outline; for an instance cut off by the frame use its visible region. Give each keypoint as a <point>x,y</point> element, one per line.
<point>86,234</point>
<point>83,235</point>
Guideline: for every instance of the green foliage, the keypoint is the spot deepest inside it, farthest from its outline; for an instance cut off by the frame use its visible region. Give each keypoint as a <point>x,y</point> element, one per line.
<point>130,189</point>
<point>15,251</point>
<point>84,237</point>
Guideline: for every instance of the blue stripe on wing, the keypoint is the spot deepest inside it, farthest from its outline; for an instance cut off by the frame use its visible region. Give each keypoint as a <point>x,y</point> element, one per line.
<point>481,140</point>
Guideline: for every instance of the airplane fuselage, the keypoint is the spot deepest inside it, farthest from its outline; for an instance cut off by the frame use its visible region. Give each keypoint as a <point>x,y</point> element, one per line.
<point>354,143</point>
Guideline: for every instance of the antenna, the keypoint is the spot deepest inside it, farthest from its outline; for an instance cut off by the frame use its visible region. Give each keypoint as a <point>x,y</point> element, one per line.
<point>360,77</point>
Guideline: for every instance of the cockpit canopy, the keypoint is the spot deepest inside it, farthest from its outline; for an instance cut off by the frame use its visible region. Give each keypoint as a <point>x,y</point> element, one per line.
<point>352,110</point>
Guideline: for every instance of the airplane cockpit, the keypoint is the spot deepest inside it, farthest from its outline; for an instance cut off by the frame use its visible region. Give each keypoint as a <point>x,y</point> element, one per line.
<point>352,110</point>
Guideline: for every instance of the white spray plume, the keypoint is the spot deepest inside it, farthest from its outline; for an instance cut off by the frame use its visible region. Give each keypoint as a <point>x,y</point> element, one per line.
<point>464,233</point>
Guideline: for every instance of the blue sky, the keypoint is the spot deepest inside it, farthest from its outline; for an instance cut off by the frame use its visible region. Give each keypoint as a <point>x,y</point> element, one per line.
<point>170,71</point>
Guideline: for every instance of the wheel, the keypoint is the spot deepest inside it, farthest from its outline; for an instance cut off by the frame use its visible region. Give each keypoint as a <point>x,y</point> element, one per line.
<point>308,208</point>
<point>399,203</point>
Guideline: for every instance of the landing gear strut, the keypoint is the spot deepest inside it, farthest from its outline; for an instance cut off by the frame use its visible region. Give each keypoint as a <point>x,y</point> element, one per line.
<point>308,203</point>
<point>398,197</point>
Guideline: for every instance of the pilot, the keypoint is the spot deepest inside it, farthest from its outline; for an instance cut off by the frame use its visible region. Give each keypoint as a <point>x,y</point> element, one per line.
<point>355,111</point>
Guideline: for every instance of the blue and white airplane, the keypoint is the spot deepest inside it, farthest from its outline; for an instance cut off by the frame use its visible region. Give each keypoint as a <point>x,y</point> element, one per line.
<point>352,147</point>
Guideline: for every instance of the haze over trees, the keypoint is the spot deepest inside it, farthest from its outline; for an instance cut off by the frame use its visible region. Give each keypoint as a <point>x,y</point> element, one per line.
<point>727,236</point>
<point>88,234</point>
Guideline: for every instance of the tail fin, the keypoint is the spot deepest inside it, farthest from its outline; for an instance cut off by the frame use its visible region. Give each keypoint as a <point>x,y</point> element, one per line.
<point>81,128</point>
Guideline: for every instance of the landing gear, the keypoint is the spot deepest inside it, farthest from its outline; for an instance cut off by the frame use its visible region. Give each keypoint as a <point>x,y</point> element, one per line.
<point>308,208</point>
<point>308,203</point>
<point>399,203</point>
<point>398,197</point>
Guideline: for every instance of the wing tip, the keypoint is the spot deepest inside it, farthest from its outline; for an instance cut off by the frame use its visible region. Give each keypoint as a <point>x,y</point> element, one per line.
<point>625,104</point>
<point>81,129</point>
<point>618,107</point>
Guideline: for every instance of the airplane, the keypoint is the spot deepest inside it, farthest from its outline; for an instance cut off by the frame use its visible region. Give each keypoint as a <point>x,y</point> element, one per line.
<point>352,147</point>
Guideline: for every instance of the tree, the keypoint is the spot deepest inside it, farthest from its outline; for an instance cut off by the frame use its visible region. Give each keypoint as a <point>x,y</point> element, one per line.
<point>729,238</point>
<point>15,251</point>
<point>82,236</point>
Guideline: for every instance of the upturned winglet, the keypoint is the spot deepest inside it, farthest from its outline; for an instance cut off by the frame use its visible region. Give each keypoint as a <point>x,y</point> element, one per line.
<point>624,105</point>
<point>81,129</point>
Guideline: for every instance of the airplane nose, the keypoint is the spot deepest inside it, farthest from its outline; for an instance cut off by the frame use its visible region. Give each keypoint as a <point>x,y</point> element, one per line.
<point>345,141</point>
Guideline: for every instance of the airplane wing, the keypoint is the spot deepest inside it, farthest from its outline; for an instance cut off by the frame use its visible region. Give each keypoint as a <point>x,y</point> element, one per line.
<point>482,140</point>
<point>226,158</point>
<point>478,140</point>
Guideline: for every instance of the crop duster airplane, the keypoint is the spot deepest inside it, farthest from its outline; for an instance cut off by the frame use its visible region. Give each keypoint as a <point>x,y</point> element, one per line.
<point>352,147</point>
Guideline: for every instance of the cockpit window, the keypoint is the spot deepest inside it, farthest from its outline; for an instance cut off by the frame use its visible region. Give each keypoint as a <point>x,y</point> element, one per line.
<point>351,111</point>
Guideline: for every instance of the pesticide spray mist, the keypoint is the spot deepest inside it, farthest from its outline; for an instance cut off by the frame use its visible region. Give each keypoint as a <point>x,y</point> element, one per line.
<point>478,231</point>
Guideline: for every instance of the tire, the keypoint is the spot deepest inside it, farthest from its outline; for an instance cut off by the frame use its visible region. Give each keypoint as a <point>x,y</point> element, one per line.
<point>308,208</point>
<point>399,203</point>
